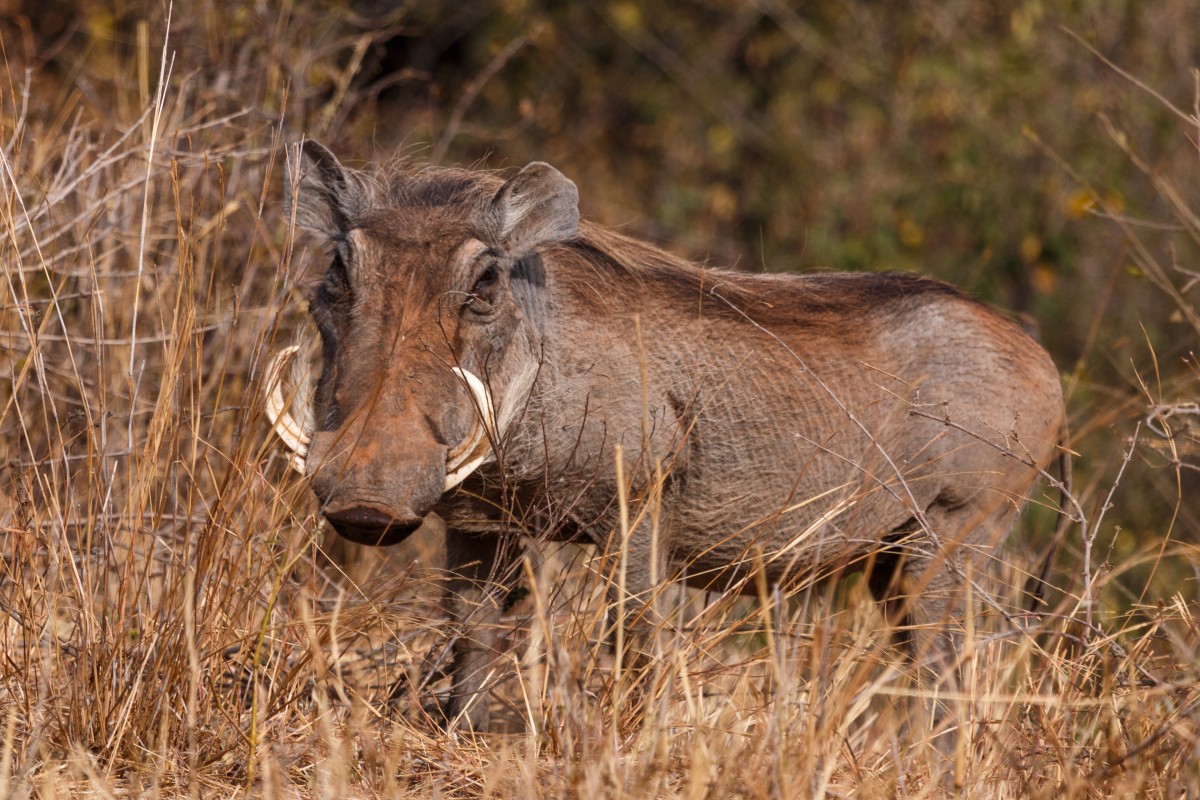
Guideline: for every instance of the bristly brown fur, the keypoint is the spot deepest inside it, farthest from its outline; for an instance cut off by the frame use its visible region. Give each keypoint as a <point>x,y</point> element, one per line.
<point>437,187</point>
<point>819,298</point>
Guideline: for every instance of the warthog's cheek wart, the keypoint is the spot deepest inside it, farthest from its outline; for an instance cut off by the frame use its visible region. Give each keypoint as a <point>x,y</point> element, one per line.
<point>368,524</point>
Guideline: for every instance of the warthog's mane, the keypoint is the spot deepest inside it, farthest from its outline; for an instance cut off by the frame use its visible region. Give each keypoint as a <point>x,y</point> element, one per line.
<point>817,299</point>
<point>602,257</point>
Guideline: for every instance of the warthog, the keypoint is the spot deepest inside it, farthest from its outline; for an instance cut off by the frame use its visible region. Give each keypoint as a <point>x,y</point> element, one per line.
<point>487,355</point>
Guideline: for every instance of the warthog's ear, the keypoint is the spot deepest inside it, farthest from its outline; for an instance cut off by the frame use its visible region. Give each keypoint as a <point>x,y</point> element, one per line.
<point>538,206</point>
<point>320,192</point>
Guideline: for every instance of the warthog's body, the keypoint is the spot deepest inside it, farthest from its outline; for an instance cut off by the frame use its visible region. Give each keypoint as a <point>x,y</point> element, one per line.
<point>815,422</point>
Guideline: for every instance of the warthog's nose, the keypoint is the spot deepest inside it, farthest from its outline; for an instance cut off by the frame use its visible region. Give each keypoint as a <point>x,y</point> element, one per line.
<point>367,523</point>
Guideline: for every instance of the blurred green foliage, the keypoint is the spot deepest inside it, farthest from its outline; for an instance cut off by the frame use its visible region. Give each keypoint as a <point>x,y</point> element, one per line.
<point>980,141</point>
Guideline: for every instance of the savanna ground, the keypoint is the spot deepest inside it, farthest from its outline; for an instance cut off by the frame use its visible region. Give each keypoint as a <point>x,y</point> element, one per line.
<point>174,619</point>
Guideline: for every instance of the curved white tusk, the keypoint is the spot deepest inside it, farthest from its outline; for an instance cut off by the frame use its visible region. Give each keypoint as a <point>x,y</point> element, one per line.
<point>477,447</point>
<point>482,399</point>
<point>285,425</point>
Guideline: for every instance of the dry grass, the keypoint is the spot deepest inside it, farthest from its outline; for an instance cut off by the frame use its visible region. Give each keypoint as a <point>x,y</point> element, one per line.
<point>169,625</point>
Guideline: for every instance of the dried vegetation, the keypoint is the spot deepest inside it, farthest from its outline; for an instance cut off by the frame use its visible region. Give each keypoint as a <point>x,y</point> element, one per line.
<point>170,623</point>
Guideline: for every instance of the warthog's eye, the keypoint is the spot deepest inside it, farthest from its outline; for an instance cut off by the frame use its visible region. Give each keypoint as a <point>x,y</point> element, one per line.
<point>336,286</point>
<point>483,294</point>
<point>486,280</point>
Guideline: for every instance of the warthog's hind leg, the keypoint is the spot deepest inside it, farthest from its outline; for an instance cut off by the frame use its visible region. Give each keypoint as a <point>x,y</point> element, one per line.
<point>920,581</point>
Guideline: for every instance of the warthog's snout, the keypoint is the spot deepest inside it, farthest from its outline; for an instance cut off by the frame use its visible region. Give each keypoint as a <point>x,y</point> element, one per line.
<point>377,489</point>
<point>367,523</point>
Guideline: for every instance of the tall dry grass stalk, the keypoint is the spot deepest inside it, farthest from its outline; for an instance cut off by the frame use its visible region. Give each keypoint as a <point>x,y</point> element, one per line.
<point>169,626</point>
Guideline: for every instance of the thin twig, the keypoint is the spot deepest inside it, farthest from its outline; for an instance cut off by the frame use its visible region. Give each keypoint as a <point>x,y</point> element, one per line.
<point>454,125</point>
<point>1089,536</point>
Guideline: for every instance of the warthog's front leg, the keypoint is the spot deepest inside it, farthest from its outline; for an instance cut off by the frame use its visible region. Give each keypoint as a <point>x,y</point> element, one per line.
<point>474,597</point>
<point>639,572</point>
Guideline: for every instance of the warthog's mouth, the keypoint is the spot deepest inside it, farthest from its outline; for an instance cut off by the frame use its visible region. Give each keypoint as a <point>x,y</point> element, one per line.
<point>366,524</point>
<point>461,461</point>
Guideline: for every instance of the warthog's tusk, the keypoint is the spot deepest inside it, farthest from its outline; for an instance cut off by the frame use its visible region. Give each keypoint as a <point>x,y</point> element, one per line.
<point>288,429</point>
<point>475,449</point>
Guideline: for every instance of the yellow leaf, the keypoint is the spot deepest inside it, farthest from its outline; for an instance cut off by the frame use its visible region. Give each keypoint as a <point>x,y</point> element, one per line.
<point>911,233</point>
<point>720,139</point>
<point>1031,248</point>
<point>1044,278</point>
<point>627,15</point>
<point>1080,203</point>
<point>722,201</point>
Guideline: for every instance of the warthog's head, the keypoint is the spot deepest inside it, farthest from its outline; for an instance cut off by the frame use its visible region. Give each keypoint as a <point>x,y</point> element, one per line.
<point>426,338</point>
